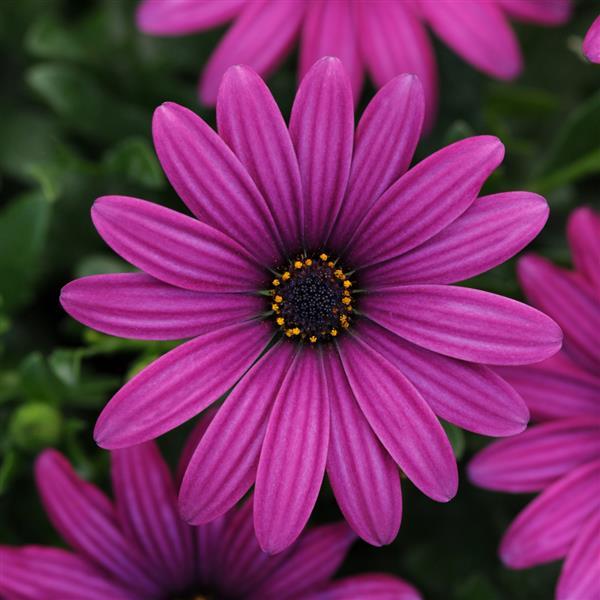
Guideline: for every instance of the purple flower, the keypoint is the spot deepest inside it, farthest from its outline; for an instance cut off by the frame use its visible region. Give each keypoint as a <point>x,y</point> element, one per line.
<point>560,456</point>
<point>315,283</point>
<point>591,43</point>
<point>136,547</point>
<point>383,38</point>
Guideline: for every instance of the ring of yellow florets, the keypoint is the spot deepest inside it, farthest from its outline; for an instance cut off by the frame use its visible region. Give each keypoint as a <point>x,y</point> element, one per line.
<point>311,299</point>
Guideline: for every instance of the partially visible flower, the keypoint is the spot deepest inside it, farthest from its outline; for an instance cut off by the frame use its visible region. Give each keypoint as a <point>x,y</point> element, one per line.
<point>560,457</point>
<point>137,548</point>
<point>384,39</point>
<point>591,43</point>
<point>315,281</point>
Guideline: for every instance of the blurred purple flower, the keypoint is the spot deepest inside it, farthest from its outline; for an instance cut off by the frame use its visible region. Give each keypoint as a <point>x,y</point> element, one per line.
<point>137,548</point>
<point>357,342</point>
<point>591,43</point>
<point>383,38</point>
<point>561,456</point>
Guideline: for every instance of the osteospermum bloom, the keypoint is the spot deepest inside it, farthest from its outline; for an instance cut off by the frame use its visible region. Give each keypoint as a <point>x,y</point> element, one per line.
<point>591,43</point>
<point>315,282</point>
<point>136,547</point>
<point>384,39</point>
<point>560,456</point>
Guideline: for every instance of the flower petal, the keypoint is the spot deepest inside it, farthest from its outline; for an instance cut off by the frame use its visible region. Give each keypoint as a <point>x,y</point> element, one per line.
<point>250,122</point>
<point>425,200</point>
<point>330,29</point>
<point>544,12</point>
<point>463,323</point>
<point>401,419</point>
<point>212,182</point>
<point>535,459</point>
<point>573,305</point>
<point>372,586</point>
<point>34,572</point>
<point>555,388</point>
<point>583,231</point>
<point>492,230</point>
<point>591,43</point>
<point>322,130</point>
<point>292,459</point>
<point>579,577</point>
<point>137,306</point>
<point>261,37</point>
<point>223,466</point>
<point>468,395</point>
<point>479,32</point>
<point>386,138</point>
<point>86,519</point>
<point>363,476</point>
<point>146,503</point>
<point>546,529</point>
<point>178,17</point>
<point>175,248</point>
<point>394,41</point>
<point>312,561</point>
<point>179,385</point>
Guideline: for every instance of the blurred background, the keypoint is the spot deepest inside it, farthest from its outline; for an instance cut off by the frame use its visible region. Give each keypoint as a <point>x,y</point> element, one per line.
<point>79,85</point>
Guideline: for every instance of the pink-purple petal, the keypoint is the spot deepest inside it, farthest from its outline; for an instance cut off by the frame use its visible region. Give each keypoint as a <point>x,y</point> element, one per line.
<point>35,573</point>
<point>492,230</point>
<point>535,459</point>
<point>468,395</point>
<point>479,32</point>
<point>212,182</point>
<point>385,141</point>
<point>573,305</point>
<point>87,521</point>
<point>277,24</point>
<point>393,40</point>
<point>178,17</point>
<point>372,587</point>
<point>322,130</point>
<point>463,323</point>
<point>549,525</point>
<point>583,232</point>
<point>137,306</point>
<point>330,29</point>
<point>310,563</point>
<point>363,476</point>
<point>401,419</point>
<point>543,12</point>
<point>293,456</point>
<point>579,576</point>
<point>425,200</point>
<point>146,503</point>
<point>179,385</point>
<point>175,248</point>
<point>555,388</point>
<point>251,123</point>
<point>591,42</point>
<point>223,466</point>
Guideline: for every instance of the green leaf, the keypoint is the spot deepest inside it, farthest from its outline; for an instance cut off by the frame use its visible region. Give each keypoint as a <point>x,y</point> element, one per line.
<point>23,232</point>
<point>48,38</point>
<point>135,160</point>
<point>38,382</point>
<point>99,264</point>
<point>34,426</point>
<point>456,437</point>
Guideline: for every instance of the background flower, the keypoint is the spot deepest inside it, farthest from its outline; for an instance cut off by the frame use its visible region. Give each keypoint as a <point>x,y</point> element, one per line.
<point>591,43</point>
<point>357,342</point>
<point>558,457</point>
<point>137,547</point>
<point>384,39</point>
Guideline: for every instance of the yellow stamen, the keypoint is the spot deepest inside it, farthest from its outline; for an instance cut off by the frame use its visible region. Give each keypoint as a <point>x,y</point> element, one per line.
<point>323,256</point>
<point>286,276</point>
<point>308,262</point>
<point>280,321</point>
<point>298,264</point>
<point>278,298</point>
<point>276,282</point>
<point>312,339</point>
<point>333,332</point>
<point>346,300</point>
<point>275,307</point>
<point>345,324</point>
<point>339,274</point>
<point>330,264</point>
<point>296,331</point>
<point>289,332</point>
<point>347,283</point>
